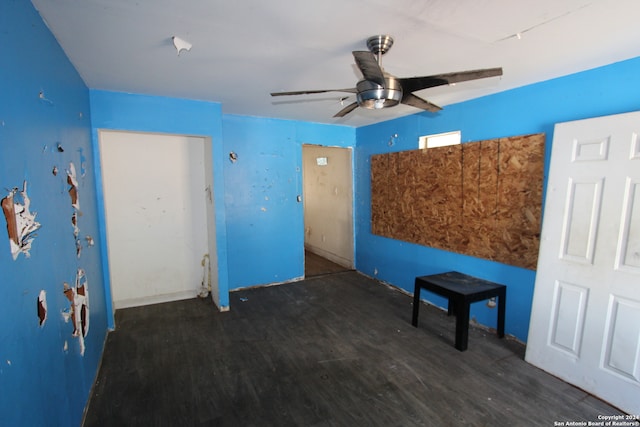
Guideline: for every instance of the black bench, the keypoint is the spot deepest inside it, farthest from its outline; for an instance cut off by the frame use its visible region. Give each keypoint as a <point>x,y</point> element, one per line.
<point>460,290</point>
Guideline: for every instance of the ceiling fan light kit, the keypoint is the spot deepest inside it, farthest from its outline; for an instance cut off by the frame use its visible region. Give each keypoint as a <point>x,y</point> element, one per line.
<point>371,95</point>
<point>379,89</point>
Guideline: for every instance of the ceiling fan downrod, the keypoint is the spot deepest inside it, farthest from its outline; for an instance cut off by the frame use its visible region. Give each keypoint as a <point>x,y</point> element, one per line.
<point>379,45</point>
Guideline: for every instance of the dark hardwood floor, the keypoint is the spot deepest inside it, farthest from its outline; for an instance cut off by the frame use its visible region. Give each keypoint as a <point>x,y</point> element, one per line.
<point>315,265</point>
<point>335,350</point>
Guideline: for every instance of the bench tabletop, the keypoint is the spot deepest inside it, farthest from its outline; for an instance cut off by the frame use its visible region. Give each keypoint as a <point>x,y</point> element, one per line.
<point>459,283</point>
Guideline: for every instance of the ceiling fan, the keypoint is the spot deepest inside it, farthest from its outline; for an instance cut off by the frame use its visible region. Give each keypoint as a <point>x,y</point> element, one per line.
<point>380,89</point>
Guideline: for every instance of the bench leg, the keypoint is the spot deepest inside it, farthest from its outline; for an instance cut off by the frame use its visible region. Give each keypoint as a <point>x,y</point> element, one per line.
<point>462,325</point>
<point>416,305</point>
<point>502,303</point>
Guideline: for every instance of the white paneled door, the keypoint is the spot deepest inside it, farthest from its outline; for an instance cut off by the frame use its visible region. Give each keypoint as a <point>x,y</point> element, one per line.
<point>585,321</point>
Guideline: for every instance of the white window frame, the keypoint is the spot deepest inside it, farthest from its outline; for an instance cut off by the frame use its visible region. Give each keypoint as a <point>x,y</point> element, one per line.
<point>440,139</point>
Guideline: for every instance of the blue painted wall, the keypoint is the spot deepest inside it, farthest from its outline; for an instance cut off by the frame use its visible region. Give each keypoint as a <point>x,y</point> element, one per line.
<point>531,109</point>
<point>265,224</point>
<point>144,113</point>
<point>44,380</point>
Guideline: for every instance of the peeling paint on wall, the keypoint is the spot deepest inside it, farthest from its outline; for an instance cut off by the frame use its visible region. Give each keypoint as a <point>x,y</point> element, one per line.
<point>43,98</point>
<point>21,223</point>
<point>78,311</point>
<point>73,190</point>
<point>83,163</point>
<point>205,286</point>
<point>42,307</point>
<point>74,223</point>
<point>75,202</point>
<point>209,192</point>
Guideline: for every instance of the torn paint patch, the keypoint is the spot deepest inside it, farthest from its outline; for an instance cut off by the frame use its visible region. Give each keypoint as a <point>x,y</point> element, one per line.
<point>73,183</point>
<point>78,311</point>
<point>209,193</point>
<point>90,241</point>
<point>21,223</point>
<point>83,296</point>
<point>42,307</point>
<point>8,208</point>
<point>66,313</point>
<point>43,98</point>
<point>74,223</point>
<point>83,163</point>
<point>54,171</point>
<point>205,286</point>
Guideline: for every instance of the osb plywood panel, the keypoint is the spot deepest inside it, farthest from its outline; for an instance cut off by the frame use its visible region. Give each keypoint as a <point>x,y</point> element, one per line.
<point>482,199</point>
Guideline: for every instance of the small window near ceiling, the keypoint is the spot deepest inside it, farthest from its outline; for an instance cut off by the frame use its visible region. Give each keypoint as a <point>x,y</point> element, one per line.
<point>439,139</point>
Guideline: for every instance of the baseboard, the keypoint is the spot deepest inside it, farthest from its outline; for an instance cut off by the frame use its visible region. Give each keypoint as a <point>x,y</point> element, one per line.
<point>155,299</point>
<point>347,263</point>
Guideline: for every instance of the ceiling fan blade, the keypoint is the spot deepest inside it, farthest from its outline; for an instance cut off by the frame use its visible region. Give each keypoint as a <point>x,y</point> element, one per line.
<point>416,101</point>
<point>367,63</point>
<point>346,110</point>
<point>412,84</point>
<point>305,92</point>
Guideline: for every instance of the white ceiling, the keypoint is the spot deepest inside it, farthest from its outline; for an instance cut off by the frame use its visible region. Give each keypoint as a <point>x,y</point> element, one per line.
<point>245,49</point>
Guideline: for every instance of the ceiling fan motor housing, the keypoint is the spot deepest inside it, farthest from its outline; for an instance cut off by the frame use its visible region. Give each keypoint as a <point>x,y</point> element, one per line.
<point>373,96</point>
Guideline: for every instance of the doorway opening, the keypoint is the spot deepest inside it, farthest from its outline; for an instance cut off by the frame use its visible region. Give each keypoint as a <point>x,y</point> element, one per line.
<point>157,202</point>
<point>327,176</point>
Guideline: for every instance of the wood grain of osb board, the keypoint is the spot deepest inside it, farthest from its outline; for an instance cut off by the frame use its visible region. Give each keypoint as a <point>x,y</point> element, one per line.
<point>482,198</point>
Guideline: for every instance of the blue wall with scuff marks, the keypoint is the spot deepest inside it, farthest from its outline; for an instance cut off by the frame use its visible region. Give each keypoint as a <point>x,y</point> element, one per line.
<point>143,113</point>
<point>265,224</point>
<point>44,379</point>
<point>531,109</point>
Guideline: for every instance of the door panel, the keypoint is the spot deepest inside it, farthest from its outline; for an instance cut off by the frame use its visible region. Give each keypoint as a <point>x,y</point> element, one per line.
<point>622,349</point>
<point>568,322</point>
<point>628,255</point>
<point>581,220</point>
<point>585,321</point>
